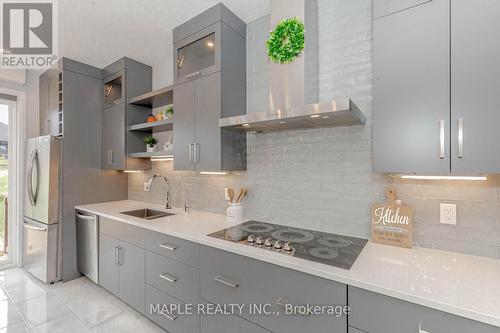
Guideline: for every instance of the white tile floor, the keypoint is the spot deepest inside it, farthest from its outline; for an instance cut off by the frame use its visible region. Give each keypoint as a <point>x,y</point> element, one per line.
<point>78,306</point>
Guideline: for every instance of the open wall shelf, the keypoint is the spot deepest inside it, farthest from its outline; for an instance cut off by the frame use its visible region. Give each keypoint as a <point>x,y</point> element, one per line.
<point>155,98</point>
<point>167,153</point>
<point>157,126</point>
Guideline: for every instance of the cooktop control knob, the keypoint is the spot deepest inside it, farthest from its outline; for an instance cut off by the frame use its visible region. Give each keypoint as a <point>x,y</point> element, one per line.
<point>287,247</point>
<point>277,245</point>
<point>251,239</point>
<point>259,240</point>
<point>268,242</point>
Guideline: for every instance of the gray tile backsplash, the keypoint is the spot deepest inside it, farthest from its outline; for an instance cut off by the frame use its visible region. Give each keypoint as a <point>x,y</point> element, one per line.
<point>322,178</point>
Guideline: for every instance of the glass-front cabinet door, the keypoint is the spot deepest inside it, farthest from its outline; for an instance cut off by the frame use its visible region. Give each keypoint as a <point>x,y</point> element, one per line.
<point>197,55</point>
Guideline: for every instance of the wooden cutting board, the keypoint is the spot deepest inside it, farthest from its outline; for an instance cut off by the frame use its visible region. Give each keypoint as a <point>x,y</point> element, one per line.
<point>392,223</point>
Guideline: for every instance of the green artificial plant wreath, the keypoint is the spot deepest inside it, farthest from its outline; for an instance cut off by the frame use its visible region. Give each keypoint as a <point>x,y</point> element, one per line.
<point>286,41</point>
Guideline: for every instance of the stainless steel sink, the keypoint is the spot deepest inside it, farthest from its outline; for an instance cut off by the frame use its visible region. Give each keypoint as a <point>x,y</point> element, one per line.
<point>146,213</point>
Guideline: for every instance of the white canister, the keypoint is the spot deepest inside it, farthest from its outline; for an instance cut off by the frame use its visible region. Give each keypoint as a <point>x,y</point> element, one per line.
<point>234,212</point>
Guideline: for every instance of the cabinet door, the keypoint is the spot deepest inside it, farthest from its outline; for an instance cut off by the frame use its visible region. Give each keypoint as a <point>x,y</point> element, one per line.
<point>412,91</point>
<point>53,103</point>
<point>197,55</point>
<point>132,276</point>
<point>207,131</point>
<point>228,324</point>
<point>108,264</point>
<point>113,137</point>
<point>44,125</point>
<point>475,102</point>
<point>183,136</point>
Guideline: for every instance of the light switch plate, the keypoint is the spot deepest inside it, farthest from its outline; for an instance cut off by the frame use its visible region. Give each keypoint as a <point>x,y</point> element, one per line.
<point>448,213</point>
<point>147,187</point>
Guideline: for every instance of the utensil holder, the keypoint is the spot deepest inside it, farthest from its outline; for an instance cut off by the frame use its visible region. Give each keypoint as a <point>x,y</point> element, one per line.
<point>234,212</point>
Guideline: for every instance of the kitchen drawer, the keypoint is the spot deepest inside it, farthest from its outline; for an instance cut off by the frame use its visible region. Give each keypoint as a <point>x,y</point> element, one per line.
<point>174,278</point>
<point>229,278</point>
<point>173,248</point>
<point>376,313</point>
<point>388,7</point>
<point>123,231</point>
<point>181,323</point>
<point>228,324</point>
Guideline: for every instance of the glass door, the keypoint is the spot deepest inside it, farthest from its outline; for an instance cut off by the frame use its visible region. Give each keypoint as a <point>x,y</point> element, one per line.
<point>6,107</point>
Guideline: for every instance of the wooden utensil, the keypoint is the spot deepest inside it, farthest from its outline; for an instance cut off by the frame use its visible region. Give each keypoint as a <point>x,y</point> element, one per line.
<point>242,194</point>
<point>230,193</point>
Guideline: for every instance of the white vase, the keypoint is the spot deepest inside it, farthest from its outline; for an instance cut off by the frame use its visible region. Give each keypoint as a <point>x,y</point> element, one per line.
<point>150,149</point>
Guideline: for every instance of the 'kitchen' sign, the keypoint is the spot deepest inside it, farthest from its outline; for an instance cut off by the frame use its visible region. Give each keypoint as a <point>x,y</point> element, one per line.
<point>392,222</point>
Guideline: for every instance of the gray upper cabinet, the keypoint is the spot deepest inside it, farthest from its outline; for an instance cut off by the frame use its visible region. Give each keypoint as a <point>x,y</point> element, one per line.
<point>376,313</point>
<point>210,83</point>
<point>411,117</point>
<point>475,82</point>
<point>388,7</point>
<point>49,102</point>
<point>123,79</point>
<point>435,94</point>
<point>184,119</point>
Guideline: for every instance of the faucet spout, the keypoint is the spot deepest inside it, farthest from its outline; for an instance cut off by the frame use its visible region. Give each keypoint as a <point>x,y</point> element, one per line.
<point>168,199</point>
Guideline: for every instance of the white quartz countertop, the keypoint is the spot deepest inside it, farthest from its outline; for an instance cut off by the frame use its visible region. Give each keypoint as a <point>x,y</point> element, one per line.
<point>463,285</point>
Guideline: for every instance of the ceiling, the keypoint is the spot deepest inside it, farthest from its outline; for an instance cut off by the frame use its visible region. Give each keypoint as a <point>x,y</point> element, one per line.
<point>98,32</point>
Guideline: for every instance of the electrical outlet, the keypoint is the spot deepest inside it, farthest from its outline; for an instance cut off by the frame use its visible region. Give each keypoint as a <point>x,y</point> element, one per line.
<point>448,213</point>
<point>147,187</point>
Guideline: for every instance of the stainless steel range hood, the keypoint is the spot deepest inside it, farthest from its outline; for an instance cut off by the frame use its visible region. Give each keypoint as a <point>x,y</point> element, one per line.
<point>340,112</point>
<point>294,88</point>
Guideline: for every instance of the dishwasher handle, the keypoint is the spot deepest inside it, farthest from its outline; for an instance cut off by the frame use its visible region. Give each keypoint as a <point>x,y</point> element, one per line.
<point>86,217</point>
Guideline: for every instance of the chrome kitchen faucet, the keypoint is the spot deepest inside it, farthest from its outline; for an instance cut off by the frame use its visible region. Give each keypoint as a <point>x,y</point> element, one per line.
<point>168,204</point>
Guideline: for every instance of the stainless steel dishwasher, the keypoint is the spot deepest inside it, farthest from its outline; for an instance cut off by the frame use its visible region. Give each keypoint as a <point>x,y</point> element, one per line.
<point>87,245</point>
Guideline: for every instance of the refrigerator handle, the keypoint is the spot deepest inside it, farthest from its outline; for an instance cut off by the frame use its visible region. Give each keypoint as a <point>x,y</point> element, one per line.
<point>29,178</point>
<point>37,162</point>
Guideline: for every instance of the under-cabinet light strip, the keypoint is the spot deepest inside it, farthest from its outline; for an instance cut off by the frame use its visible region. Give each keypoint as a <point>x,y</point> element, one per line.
<point>220,173</point>
<point>424,177</point>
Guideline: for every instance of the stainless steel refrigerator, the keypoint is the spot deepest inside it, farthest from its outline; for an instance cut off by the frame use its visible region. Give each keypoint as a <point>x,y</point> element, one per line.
<point>41,225</point>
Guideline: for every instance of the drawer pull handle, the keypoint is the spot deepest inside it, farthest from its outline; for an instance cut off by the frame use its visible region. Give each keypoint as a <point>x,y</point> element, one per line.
<point>226,282</point>
<point>195,74</point>
<point>420,330</point>
<point>168,247</point>
<point>283,303</point>
<point>168,277</point>
<point>168,316</point>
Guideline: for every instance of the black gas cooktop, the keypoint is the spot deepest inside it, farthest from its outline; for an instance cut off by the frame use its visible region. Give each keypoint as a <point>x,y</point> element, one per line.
<point>330,249</point>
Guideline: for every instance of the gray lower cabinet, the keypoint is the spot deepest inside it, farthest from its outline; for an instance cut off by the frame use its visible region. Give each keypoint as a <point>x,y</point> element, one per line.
<point>376,313</point>
<point>411,118</point>
<point>475,78</point>
<point>132,276</point>
<point>228,324</point>
<point>227,278</point>
<point>122,260</point>
<point>159,306</point>
<point>109,277</point>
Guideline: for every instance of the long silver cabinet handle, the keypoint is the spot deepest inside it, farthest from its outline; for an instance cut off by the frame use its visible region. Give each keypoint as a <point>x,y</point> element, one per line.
<point>116,256</point>
<point>169,247</point>
<point>460,134</point>
<point>168,316</point>
<point>191,160</point>
<point>442,154</point>
<point>121,258</point>
<point>168,277</point>
<point>110,157</point>
<point>196,153</point>
<point>226,282</point>
<point>195,74</point>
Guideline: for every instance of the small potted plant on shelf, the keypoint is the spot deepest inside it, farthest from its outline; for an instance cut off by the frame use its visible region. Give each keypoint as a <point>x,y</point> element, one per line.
<point>150,142</point>
<point>169,111</point>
